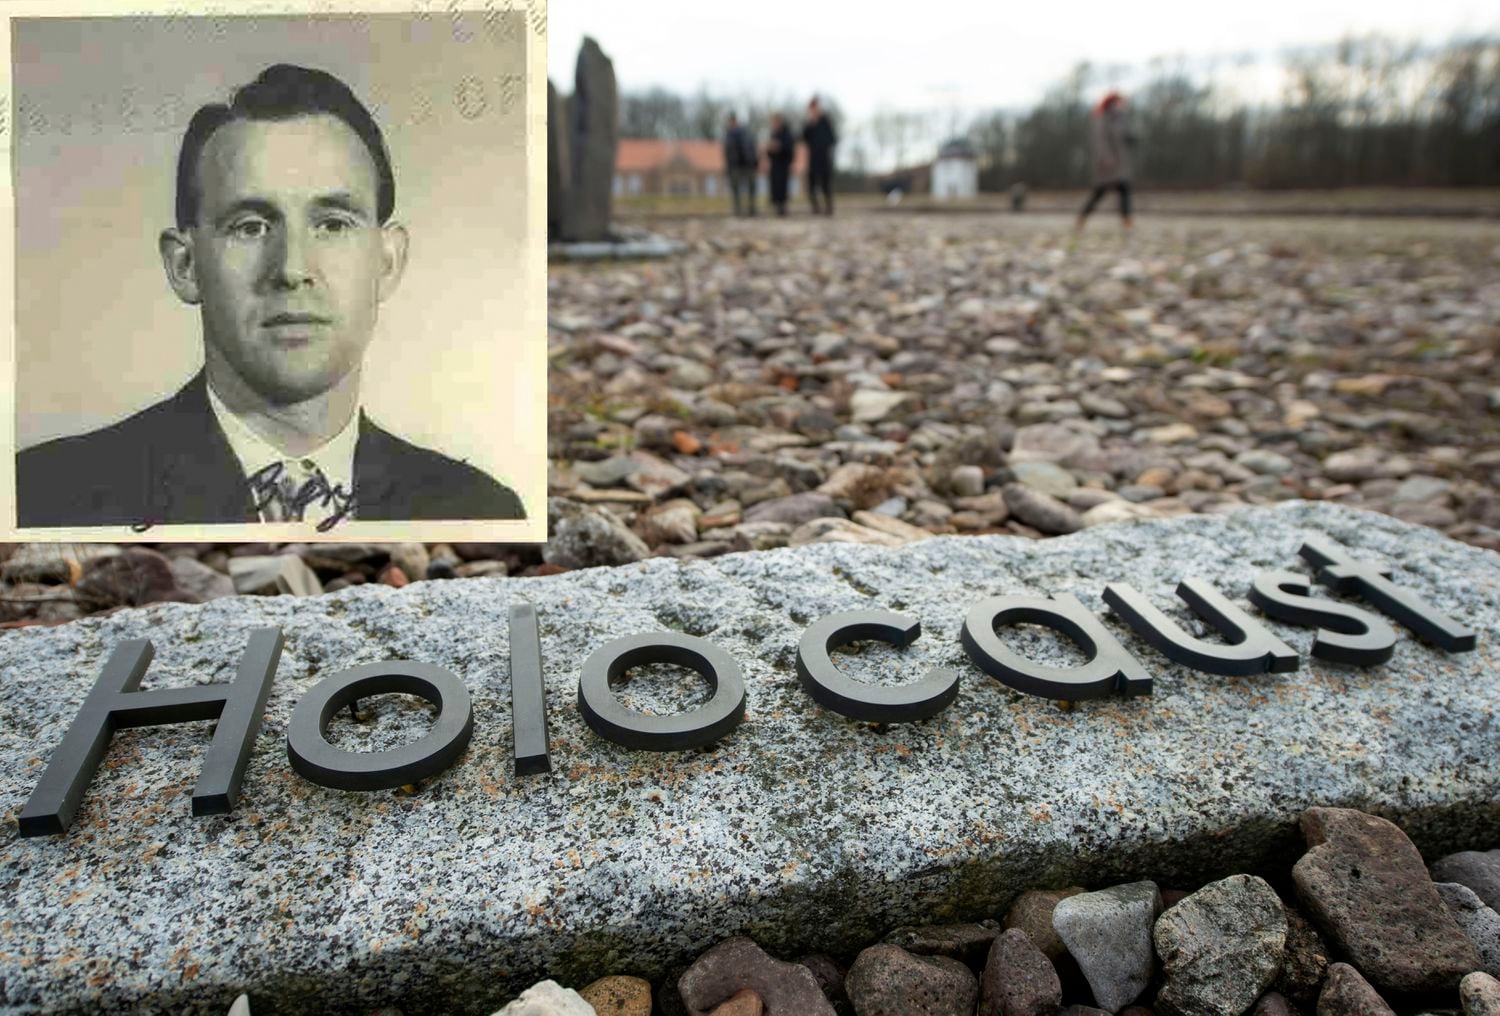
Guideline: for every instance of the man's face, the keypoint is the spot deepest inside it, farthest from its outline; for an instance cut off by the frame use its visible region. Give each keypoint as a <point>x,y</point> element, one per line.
<point>286,256</point>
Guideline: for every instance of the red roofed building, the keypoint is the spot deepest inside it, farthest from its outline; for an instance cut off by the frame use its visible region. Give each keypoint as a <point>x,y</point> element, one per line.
<point>690,168</point>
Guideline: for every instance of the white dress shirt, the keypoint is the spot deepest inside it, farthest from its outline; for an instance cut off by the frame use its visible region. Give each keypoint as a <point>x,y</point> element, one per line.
<point>334,458</point>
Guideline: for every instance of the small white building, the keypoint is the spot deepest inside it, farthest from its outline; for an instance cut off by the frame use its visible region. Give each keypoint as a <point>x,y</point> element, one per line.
<point>955,172</point>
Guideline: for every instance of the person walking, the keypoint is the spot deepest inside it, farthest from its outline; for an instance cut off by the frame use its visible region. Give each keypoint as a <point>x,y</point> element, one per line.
<point>819,137</point>
<point>740,161</point>
<point>780,150</point>
<point>1112,142</point>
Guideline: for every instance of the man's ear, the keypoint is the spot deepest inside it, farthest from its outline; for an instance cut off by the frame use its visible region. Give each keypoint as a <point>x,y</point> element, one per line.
<point>393,243</point>
<point>176,247</point>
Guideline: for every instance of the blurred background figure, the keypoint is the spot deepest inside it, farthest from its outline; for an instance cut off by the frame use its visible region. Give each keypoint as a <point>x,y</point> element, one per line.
<point>1112,144</point>
<point>1018,197</point>
<point>819,136</point>
<point>780,149</point>
<point>740,161</point>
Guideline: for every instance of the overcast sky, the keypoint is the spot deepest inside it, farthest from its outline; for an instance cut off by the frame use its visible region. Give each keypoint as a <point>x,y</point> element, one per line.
<point>967,55</point>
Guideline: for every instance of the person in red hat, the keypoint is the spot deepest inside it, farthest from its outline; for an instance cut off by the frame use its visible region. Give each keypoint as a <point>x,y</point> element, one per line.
<point>1112,144</point>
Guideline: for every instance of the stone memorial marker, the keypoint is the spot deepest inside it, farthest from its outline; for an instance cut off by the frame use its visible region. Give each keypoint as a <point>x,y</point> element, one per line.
<point>593,113</point>
<point>582,139</point>
<point>559,162</point>
<point>801,829</point>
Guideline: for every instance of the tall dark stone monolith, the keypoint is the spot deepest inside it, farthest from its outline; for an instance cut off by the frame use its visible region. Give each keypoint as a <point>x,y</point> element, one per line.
<point>594,116</point>
<point>559,165</point>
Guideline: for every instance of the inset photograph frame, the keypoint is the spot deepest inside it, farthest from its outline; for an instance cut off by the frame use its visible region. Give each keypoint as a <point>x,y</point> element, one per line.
<point>273,271</point>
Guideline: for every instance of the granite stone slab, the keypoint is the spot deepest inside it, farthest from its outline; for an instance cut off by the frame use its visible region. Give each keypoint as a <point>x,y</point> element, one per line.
<point>802,829</point>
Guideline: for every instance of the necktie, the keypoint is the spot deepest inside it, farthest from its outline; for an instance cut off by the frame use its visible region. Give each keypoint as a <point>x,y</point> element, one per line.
<point>299,484</point>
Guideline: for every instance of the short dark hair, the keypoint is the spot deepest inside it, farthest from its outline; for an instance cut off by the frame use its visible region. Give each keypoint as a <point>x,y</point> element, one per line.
<point>282,92</point>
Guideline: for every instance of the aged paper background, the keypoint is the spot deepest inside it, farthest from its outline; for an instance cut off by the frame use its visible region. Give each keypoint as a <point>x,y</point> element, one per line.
<point>97,98</point>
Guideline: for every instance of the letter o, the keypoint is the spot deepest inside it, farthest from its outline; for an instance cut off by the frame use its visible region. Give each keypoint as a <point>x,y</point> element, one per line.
<point>315,759</point>
<point>610,719</point>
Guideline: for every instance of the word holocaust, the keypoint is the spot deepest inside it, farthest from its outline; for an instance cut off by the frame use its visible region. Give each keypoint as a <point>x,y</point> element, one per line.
<point>1347,634</point>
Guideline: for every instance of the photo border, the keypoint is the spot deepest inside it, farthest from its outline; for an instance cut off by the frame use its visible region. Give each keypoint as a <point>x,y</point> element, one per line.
<point>533,489</point>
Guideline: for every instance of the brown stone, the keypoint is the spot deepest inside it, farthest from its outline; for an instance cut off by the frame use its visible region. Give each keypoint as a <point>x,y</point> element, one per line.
<point>133,578</point>
<point>969,943</point>
<point>1346,993</point>
<point>1480,994</point>
<point>886,980</point>
<point>1156,476</point>
<point>725,513</point>
<point>858,483</point>
<point>830,978</point>
<point>786,989</point>
<point>482,569</point>
<point>1364,884</point>
<point>674,521</point>
<point>741,1003</point>
<point>1171,897</point>
<point>1032,913</point>
<point>1273,1004</point>
<point>1305,961</point>
<point>619,996</point>
<point>1018,979</point>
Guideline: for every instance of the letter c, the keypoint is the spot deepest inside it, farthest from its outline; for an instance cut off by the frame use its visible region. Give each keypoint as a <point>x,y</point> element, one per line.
<point>870,703</point>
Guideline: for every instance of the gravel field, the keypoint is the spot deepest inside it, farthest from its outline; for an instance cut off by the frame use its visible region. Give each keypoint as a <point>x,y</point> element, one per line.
<point>882,376</point>
<point>981,374</point>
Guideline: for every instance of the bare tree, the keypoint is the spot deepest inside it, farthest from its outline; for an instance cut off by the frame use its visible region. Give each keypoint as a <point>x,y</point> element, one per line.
<point>1363,111</point>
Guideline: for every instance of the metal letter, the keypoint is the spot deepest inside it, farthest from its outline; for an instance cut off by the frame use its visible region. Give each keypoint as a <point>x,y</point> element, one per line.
<point>1109,668</point>
<point>871,703</point>
<point>531,743</point>
<point>114,703</point>
<point>1251,648</point>
<point>1347,634</point>
<point>1343,574</point>
<point>317,760</point>
<point>634,729</point>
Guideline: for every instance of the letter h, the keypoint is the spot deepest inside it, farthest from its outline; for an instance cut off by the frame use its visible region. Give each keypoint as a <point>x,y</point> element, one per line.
<point>114,702</point>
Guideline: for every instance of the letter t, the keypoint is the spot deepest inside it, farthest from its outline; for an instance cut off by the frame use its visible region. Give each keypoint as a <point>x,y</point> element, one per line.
<point>1343,574</point>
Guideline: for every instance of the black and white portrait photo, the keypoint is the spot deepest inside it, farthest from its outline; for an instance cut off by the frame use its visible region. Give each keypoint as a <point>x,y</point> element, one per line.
<point>344,336</point>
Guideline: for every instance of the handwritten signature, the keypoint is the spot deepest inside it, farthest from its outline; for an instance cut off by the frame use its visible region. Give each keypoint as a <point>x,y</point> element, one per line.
<point>267,490</point>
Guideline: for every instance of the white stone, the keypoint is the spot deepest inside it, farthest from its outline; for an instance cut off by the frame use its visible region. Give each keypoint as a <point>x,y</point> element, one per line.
<point>870,405</point>
<point>1117,511</point>
<point>284,574</point>
<point>548,998</point>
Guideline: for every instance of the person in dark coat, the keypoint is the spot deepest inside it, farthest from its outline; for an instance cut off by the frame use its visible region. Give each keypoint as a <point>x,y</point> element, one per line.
<point>780,150</point>
<point>740,162</point>
<point>1112,143</point>
<point>819,137</point>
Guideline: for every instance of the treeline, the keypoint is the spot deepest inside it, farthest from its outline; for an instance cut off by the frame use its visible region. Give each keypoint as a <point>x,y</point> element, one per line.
<point>1366,112</point>
<point>1362,112</point>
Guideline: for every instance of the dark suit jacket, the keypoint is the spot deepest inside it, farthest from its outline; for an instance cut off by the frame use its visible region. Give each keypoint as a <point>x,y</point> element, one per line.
<point>170,463</point>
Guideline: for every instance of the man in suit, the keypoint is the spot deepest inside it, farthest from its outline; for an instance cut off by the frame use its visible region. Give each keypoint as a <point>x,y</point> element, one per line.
<point>285,242</point>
